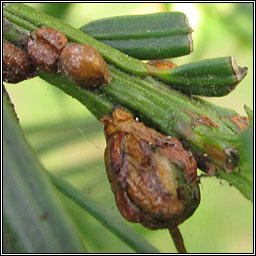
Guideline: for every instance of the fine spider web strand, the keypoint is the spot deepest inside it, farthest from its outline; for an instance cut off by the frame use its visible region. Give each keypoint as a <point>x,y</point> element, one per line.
<point>80,128</point>
<point>177,239</point>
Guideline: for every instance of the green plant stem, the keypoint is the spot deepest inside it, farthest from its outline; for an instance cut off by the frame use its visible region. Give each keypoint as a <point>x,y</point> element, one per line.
<point>15,34</point>
<point>31,18</point>
<point>162,107</point>
<point>93,100</point>
<point>158,106</point>
<point>242,183</point>
<point>213,77</point>
<point>224,114</point>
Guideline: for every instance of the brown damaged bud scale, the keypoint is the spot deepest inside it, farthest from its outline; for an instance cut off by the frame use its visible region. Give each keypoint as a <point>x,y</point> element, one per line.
<point>16,64</point>
<point>152,176</point>
<point>44,47</point>
<point>84,65</point>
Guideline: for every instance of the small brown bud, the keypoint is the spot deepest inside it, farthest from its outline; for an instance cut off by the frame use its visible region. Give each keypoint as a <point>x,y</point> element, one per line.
<point>152,177</point>
<point>162,64</point>
<point>84,65</point>
<point>16,64</point>
<point>44,47</point>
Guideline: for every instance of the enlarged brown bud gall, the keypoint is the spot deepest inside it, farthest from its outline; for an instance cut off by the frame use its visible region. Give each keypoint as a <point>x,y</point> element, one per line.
<point>16,65</point>
<point>44,46</point>
<point>84,65</point>
<point>152,177</point>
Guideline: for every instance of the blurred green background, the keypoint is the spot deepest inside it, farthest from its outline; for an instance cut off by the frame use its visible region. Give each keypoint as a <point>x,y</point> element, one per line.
<point>70,142</point>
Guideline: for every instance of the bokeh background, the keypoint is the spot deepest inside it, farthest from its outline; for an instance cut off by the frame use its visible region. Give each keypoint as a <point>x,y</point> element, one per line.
<point>69,141</point>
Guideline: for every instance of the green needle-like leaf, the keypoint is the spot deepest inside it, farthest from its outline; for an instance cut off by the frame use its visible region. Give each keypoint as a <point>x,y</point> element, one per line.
<point>31,205</point>
<point>210,77</point>
<point>150,36</point>
<point>246,152</point>
<point>249,113</point>
<point>11,243</point>
<point>114,223</point>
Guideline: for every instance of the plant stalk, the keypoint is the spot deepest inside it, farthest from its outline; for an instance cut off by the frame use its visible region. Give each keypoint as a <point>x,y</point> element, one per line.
<point>209,130</point>
<point>177,239</point>
<point>213,77</point>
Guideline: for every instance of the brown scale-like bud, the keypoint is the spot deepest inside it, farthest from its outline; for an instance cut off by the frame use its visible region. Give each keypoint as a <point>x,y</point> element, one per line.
<point>162,64</point>
<point>84,65</point>
<point>16,64</point>
<point>152,177</point>
<point>44,47</point>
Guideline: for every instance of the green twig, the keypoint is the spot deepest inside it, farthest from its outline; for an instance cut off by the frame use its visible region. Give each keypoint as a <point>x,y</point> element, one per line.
<point>213,77</point>
<point>158,106</point>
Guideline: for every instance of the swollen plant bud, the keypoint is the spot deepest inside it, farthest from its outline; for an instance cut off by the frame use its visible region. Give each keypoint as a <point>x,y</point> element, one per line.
<point>152,177</point>
<point>16,64</point>
<point>84,65</point>
<point>44,47</point>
